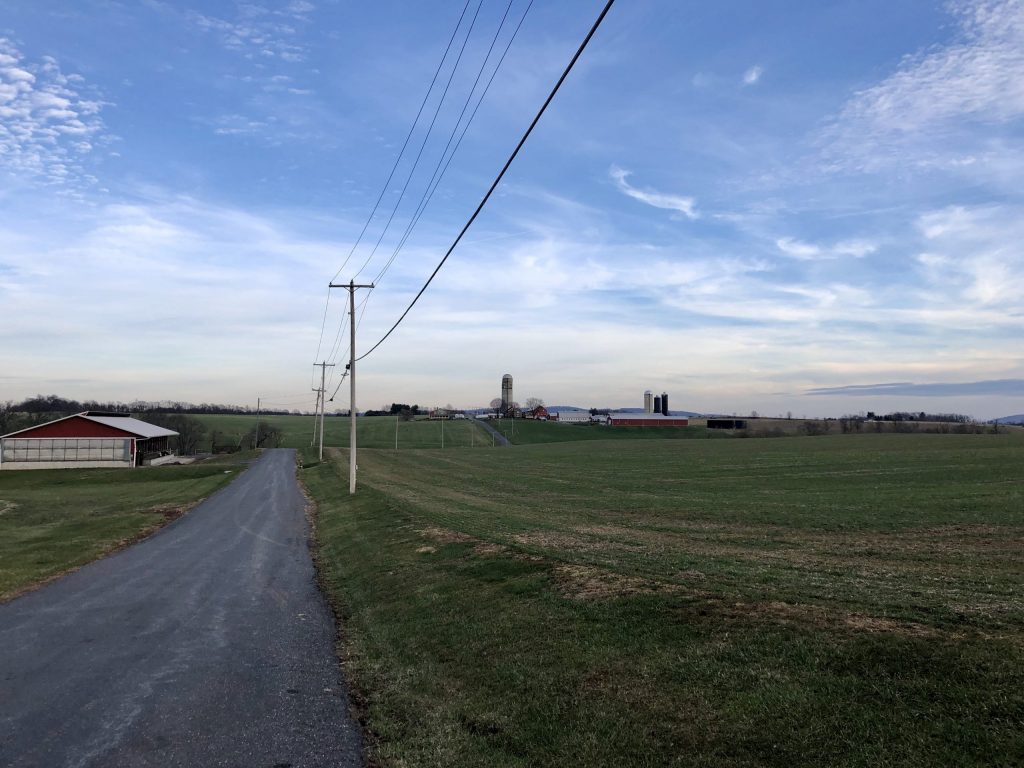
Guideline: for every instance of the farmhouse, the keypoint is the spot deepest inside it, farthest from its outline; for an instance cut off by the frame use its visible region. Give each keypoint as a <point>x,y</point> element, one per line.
<point>87,439</point>
<point>646,420</point>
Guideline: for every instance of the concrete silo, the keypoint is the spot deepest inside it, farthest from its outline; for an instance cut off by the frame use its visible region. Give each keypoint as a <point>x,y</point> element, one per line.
<point>648,402</point>
<point>506,393</point>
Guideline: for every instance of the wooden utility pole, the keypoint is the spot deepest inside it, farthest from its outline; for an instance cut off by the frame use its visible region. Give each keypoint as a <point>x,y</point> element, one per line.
<point>352,379</point>
<point>256,440</point>
<point>323,376</point>
<point>316,415</point>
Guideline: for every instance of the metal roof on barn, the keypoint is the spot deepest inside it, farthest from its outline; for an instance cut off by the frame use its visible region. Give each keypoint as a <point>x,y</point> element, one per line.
<point>126,423</point>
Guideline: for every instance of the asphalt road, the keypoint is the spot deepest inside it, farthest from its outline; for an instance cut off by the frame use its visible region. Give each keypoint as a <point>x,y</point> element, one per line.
<point>207,644</point>
<point>499,438</point>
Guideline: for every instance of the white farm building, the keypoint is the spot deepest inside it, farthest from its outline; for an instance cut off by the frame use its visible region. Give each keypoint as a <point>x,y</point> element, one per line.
<point>88,439</point>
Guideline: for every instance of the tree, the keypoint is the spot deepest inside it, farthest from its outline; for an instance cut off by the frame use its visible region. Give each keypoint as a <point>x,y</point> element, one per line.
<point>532,403</point>
<point>496,405</point>
<point>268,436</point>
<point>190,429</point>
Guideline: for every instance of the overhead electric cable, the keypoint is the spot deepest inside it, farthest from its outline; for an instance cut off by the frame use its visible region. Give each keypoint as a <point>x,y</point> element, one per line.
<point>442,164</point>
<point>405,144</point>
<point>497,180</point>
<point>394,167</point>
<point>435,180</point>
<point>323,326</point>
<point>423,144</point>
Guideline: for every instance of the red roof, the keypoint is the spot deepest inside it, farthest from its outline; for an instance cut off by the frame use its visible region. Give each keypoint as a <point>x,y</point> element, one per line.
<point>89,425</point>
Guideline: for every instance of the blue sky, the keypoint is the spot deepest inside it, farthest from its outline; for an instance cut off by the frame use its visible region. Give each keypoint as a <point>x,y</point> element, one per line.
<point>812,208</point>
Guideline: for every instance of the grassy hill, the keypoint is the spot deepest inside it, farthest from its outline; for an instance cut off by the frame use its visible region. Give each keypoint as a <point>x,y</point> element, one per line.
<point>843,600</point>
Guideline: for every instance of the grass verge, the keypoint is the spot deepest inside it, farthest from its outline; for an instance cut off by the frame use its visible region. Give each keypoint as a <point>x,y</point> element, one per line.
<point>833,601</point>
<point>53,521</point>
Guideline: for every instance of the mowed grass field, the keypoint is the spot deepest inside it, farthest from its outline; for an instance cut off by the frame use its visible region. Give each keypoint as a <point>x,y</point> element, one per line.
<point>372,431</point>
<point>853,600</point>
<point>58,519</point>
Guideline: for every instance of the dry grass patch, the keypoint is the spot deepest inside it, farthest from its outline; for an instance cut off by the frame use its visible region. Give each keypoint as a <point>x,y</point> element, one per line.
<point>573,542</point>
<point>487,548</point>
<point>446,535</point>
<point>586,582</point>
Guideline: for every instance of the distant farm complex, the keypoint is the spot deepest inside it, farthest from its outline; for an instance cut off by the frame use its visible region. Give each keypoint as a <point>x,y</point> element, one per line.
<point>654,414</point>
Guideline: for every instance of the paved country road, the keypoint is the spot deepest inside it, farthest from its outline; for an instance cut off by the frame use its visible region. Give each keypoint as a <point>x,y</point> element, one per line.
<point>207,644</point>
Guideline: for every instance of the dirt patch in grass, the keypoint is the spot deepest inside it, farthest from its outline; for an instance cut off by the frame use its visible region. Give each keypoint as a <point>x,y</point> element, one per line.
<point>7,506</point>
<point>487,548</point>
<point>574,542</point>
<point>863,623</point>
<point>170,511</point>
<point>585,582</point>
<point>446,536</point>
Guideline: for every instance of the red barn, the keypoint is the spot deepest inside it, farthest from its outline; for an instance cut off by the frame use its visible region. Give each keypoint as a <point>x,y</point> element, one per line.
<point>646,420</point>
<point>88,439</point>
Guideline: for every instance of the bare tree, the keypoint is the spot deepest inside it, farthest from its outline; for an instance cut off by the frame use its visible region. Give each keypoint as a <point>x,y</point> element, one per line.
<point>496,405</point>
<point>533,403</point>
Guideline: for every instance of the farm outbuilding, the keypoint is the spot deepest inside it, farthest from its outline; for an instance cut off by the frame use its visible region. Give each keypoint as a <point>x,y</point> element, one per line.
<point>646,420</point>
<point>88,439</point>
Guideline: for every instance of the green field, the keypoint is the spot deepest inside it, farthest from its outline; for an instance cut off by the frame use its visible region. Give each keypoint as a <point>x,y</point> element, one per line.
<point>373,431</point>
<point>847,600</point>
<point>57,519</point>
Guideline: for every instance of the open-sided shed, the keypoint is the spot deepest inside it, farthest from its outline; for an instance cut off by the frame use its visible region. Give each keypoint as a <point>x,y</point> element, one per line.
<point>88,439</point>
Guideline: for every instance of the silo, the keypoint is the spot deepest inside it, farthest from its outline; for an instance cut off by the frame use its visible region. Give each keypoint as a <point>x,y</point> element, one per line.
<point>664,403</point>
<point>657,403</point>
<point>506,392</point>
<point>648,402</point>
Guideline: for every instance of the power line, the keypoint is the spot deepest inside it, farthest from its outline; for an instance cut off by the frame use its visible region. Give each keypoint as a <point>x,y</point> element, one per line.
<point>439,170</point>
<point>497,180</point>
<point>398,159</point>
<point>415,122</point>
<point>428,193</point>
<point>423,144</point>
<point>323,326</point>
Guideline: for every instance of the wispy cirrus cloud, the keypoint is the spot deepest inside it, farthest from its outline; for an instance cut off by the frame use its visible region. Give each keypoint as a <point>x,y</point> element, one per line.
<point>799,249</point>
<point>684,205</point>
<point>974,254</point>
<point>946,107</point>
<point>47,125</point>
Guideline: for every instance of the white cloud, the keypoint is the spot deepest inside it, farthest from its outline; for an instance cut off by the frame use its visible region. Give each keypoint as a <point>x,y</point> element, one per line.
<point>684,205</point>
<point>257,31</point>
<point>942,107</point>
<point>973,257</point>
<point>752,75</point>
<point>799,249</point>
<point>47,126</point>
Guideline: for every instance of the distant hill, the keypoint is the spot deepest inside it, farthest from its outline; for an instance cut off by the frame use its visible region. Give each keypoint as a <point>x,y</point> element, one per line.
<point>1018,419</point>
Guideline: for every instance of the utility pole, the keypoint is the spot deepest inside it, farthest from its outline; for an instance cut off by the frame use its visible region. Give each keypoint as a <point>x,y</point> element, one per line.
<point>352,378</point>
<point>442,433</point>
<point>396,431</point>
<point>323,390</point>
<point>316,415</point>
<point>256,440</point>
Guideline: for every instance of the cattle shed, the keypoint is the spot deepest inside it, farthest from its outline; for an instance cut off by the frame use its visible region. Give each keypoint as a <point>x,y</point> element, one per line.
<point>87,439</point>
<point>646,420</point>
